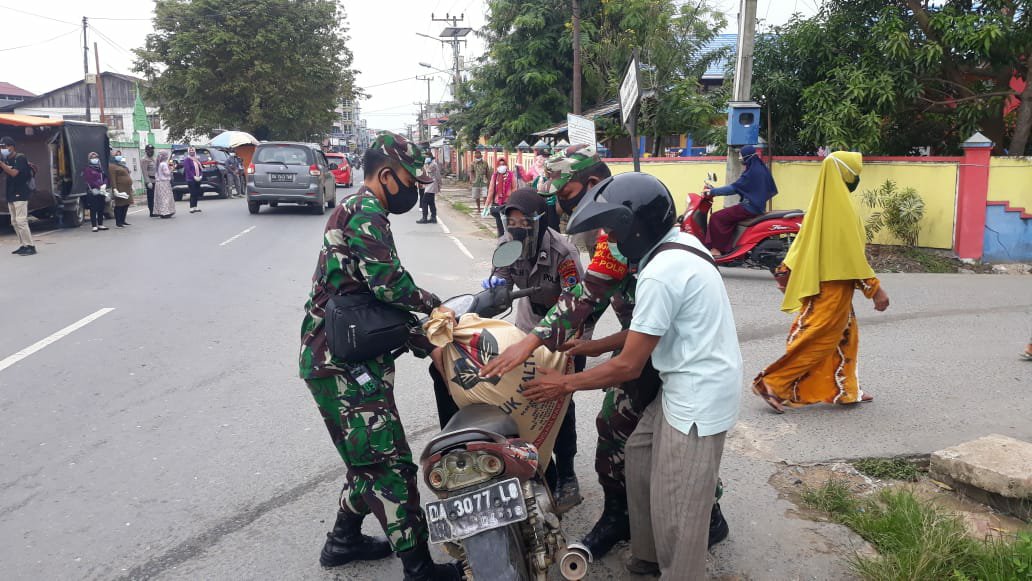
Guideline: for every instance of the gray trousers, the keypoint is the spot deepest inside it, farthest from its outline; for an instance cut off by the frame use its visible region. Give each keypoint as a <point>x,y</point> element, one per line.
<point>670,480</point>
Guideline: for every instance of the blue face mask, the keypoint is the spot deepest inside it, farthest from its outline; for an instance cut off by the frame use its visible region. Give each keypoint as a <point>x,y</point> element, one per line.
<point>119,158</point>
<point>5,152</point>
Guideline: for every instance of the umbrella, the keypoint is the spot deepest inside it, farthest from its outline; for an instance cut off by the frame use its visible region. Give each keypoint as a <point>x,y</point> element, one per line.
<point>231,139</point>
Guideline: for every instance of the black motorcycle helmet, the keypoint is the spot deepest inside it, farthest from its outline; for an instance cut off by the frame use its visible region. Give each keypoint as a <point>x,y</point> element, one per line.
<point>636,208</point>
<point>532,205</point>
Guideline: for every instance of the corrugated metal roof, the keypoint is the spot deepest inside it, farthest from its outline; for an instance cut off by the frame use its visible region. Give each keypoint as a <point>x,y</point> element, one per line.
<point>9,89</point>
<point>717,68</point>
<point>607,108</point>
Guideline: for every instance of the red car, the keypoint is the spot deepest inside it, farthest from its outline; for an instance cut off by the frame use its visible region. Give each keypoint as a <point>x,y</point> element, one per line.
<point>341,173</point>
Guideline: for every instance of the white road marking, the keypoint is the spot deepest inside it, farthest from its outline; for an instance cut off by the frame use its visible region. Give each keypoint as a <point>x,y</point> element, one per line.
<point>38,345</point>
<point>462,247</point>
<point>443,226</point>
<point>238,235</point>
<point>137,211</point>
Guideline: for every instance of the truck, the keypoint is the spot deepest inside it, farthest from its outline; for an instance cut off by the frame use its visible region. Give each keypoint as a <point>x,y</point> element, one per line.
<point>58,149</point>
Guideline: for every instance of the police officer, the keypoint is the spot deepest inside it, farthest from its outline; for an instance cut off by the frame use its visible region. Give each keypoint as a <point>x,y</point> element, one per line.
<point>550,262</point>
<point>608,279</point>
<point>357,401</point>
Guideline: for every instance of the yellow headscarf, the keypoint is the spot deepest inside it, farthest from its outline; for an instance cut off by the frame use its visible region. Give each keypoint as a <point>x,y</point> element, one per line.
<point>830,245</point>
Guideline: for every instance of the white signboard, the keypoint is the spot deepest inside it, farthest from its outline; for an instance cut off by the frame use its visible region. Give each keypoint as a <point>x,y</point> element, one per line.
<point>580,130</point>
<point>629,92</point>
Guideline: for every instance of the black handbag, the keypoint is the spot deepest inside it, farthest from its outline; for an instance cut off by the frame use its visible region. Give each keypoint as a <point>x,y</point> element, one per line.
<point>360,328</point>
<point>643,389</point>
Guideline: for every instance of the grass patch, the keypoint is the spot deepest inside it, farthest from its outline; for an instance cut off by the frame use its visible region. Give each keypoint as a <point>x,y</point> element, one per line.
<point>887,469</point>
<point>931,262</point>
<point>916,540</point>
<point>461,207</point>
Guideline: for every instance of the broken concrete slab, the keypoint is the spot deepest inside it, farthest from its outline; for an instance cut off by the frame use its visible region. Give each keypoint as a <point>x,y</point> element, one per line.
<point>994,469</point>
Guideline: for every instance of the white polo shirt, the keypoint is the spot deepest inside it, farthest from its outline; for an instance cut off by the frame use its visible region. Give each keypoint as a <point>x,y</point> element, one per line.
<point>682,299</point>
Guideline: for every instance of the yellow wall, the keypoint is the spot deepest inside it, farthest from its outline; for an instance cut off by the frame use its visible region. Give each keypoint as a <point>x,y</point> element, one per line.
<point>935,182</point>
<point>1010,180</point>
<point>680,177</point>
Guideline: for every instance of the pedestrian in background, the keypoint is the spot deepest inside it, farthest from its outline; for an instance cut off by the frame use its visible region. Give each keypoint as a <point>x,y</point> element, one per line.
<point>428,201</point>
<point>233,170</point>
<point>193,172</point>
<point>825,264</point>
<point>1027,355</point>
<point>149,168</point>
<point>164,201</point>
<point>478,179</point>
<point>122,183</point>
<point>17,173</point>
<point>503,183</point>
<point>96,181</point>
<point>540,183</point>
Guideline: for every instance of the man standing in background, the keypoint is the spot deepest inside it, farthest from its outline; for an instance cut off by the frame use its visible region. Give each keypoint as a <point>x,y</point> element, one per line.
<point>16,171</point>
<point>478,178</point>
<point>149,168</point>
<point>428,201</point>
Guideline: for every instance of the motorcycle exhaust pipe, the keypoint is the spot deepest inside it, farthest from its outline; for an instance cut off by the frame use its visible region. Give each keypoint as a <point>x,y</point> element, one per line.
<point>574,563</point>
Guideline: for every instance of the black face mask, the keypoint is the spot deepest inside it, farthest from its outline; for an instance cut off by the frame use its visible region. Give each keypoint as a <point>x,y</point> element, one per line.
<point>852,187</point>
<point>570,204</point>
<point>404,200</point>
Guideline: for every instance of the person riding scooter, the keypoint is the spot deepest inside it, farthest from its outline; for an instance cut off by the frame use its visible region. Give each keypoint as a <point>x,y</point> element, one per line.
<point>755,185</point>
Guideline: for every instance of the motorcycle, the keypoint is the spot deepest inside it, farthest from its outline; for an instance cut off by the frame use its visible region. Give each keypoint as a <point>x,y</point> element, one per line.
<point>759,242</point>
<point>494,510</point>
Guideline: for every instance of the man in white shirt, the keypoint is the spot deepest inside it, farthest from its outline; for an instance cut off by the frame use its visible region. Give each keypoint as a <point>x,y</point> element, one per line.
<point>683,321</point>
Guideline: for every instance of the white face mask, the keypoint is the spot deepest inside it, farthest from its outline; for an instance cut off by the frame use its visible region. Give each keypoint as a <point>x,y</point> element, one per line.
<point>502,169</point>
<point>94,161</point>
<point>5,152</point>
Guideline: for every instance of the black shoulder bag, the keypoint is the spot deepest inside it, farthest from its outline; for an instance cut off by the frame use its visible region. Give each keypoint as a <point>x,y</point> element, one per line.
<point>360,328</point>
<point>643,389</point>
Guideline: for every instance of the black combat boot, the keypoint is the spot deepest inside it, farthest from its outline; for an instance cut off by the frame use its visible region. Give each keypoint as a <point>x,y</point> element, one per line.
<point>718,529</point>
<point>346,543</point>
<point>612,527</point>
<point>419,566</point>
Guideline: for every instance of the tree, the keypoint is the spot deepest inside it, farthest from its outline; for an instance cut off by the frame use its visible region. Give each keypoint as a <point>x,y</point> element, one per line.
<point>523,81</point>
<point>275,68</point>
<point>672,41</point>
<point>888,78</point>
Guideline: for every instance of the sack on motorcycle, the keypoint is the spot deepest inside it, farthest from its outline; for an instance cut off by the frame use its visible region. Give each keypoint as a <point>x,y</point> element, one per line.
<point>360,328</point>
<point>471,344</point>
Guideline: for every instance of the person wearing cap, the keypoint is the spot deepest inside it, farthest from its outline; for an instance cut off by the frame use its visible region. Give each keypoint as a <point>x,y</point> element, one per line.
<point>149,167</point>
<point>428,201</point>
<point>552,264</point>
<point>356,401</point>
<point>572,172</point>
<point>193,172</point>
<point>16,171</point>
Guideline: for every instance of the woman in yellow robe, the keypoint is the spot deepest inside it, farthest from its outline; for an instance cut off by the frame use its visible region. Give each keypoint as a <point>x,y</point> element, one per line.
<point>822,269</point>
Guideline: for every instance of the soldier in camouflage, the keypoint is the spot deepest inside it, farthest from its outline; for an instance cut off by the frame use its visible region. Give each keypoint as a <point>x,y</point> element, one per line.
<point>608,280</point>
<point>357,400</point>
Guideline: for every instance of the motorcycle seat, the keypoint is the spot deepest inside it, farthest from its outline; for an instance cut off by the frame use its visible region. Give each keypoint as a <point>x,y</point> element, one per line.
<point>772,216</point>
<point>480,416</point>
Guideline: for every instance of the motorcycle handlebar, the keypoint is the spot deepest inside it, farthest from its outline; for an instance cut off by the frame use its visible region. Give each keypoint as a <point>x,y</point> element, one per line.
<point>524,292</point>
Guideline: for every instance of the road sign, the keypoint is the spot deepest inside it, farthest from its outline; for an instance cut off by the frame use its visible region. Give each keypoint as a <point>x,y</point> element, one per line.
<point>629,90</point>
<point>580,130</point>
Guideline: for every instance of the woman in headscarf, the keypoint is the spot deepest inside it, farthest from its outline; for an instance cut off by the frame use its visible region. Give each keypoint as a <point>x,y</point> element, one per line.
<point>825,264</point>
<point>756,186</point>
<point>164,202</point>
<point>96,181</point>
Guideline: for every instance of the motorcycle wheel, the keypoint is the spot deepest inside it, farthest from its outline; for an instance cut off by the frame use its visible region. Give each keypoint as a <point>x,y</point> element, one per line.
<point>497,555</point>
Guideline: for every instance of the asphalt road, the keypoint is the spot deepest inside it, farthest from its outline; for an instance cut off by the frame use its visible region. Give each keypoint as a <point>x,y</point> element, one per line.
<point>171,438</point>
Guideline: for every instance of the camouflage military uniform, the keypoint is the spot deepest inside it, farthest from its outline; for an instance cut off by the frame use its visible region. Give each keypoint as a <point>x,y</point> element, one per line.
<point>358,255</point>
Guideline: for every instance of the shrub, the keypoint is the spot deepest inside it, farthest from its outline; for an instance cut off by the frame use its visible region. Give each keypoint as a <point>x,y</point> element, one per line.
<point>898,211</point>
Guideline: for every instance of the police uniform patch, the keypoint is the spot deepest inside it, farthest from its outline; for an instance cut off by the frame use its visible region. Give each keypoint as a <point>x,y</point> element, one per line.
<point>568,277</point>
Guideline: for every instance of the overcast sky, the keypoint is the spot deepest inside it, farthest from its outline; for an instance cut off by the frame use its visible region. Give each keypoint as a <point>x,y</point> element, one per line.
<point>41,44</point>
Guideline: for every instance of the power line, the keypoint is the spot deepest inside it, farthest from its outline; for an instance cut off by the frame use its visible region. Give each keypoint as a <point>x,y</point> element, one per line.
<point>122,19</point>
<point>62,35</point>
<point>75,24</point>
<point>113,44</point>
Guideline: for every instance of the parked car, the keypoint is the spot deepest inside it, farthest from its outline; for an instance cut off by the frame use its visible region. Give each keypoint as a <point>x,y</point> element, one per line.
<point>213,163</point>
<point>290,173</point>
<point>342,171</point>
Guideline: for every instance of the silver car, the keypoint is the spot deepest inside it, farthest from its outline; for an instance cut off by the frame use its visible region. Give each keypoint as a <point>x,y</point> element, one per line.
<point>290,173</point>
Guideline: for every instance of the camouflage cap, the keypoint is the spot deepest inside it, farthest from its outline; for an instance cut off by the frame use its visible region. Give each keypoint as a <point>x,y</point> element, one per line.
<point>409,155</point>
<point>567,163</point>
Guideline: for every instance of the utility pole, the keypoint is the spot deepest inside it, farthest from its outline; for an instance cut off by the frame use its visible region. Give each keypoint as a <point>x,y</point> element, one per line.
<point>454,34</point>
<point>100,84</point>
<point>743,72</point>
<point>86,66</point>
<point>576,58</point>
<point>425,119</point>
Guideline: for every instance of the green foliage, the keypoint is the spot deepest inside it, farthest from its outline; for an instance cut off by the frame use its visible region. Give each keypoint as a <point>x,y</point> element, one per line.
<point>898,211</point>
<point>918,541</point>
<point>275,68</point>
<point>884,78</point>
<point>887,468</point>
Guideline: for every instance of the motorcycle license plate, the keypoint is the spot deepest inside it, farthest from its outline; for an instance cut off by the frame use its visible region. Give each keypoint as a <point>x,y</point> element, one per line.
<point>465,515</point>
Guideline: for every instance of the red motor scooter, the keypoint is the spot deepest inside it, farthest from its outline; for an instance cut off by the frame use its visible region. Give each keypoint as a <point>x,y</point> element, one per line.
<point>760,242</point>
